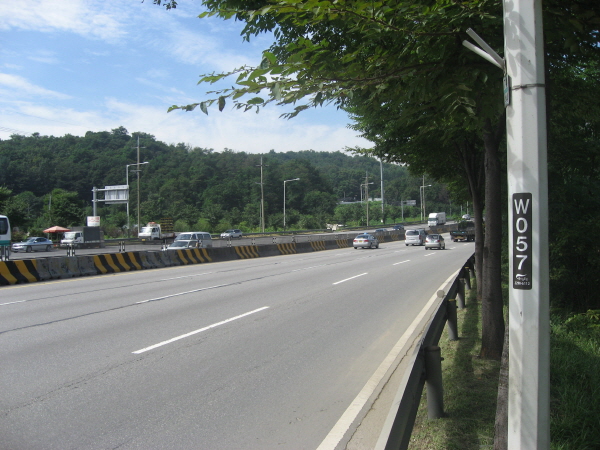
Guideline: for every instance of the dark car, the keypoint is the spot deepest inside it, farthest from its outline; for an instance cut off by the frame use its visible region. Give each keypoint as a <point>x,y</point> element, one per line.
<point>435,241</point>
<point>33,244</point>
<point>365,241</point>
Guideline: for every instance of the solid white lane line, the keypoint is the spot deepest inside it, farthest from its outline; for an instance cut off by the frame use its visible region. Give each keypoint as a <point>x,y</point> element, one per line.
<point>183,336</point>
<point>351,278</point>
<point>401,262</point>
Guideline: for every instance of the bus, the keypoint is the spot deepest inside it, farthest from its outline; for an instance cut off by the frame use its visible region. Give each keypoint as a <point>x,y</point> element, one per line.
<point>4,231</point>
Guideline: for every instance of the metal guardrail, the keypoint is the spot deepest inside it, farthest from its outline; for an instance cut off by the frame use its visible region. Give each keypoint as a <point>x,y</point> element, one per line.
<point>426,368</point>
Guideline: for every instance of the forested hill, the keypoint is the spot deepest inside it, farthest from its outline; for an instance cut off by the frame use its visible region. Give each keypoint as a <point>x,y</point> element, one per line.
<point>188,183</point>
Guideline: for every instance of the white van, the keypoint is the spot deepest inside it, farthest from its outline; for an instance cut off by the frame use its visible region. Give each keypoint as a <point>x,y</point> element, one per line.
<point>415,237</point>
<point>204,239</point>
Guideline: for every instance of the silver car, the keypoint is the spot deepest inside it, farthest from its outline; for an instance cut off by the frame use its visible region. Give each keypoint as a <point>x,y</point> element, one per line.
<point>365,241</point>
<point>182,245</point>
<point>435,241</point>
<point>415,237</point>
<point>33,244</point>
<point>231,234</point>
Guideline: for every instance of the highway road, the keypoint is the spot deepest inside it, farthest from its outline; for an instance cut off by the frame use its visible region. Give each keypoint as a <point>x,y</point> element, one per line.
<point>251,354</point>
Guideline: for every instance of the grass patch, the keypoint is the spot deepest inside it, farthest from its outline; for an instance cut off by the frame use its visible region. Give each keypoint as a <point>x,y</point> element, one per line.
<point>471,384</point>
<point>575,382</point>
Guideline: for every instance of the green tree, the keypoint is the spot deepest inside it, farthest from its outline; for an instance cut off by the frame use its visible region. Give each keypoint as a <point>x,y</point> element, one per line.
<point>363,55</point>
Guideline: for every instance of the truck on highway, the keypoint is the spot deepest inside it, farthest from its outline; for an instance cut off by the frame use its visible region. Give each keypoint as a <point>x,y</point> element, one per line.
<point>83,237</point>
<point>157,231</point>
<point>465,232</point>
<point>436,218</point>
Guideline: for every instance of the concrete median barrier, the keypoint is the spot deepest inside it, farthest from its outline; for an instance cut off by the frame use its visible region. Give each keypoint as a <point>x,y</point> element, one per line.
<point>63,267</point>
<point>86,266</point>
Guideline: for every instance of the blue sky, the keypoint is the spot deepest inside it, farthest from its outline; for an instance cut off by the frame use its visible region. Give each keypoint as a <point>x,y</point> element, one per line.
<point>72,66</point>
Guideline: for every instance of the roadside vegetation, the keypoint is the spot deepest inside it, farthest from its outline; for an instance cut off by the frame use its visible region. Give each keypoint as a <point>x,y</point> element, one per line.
<point>471,387</point>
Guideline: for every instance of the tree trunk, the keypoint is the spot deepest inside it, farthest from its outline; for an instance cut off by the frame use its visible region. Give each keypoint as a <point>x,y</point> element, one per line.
<point>473,166</point>
<point>501,425</point>
<point>492,318</point>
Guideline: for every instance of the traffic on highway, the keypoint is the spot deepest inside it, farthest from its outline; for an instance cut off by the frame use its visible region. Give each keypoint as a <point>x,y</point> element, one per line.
<point>256,354</point>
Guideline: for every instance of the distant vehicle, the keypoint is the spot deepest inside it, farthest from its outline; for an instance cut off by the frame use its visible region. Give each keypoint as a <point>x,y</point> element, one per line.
<point>5,235</point>
<point>465,232</point>
<point>398,227</point>
<point>436,218</point>
<point>380,230</point>
<point>204,239</point>
<point>156,231</point>
<point>435,241</point>
<point>466,217</point>
<point>83,237</point>
<point>365,241</point>
<point>415,237</point>
<point>182,245</point>
<point>231,234</point>
<point>33,244</point>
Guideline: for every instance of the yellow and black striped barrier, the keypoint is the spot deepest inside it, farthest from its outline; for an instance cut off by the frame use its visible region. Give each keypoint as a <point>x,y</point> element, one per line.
<point>287,249</point>
<point>247,251</point>
<point>318,245</point>
<point>18,271</point>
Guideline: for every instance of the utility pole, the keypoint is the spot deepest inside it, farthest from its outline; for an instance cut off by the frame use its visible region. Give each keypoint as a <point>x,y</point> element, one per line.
<point>529,292</point>
<point>138,184</point>
<point>381,176</point>
<point>262,196</point>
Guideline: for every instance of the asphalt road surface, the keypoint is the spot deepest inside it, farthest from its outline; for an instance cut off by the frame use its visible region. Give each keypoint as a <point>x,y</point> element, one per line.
<point>250,354</point>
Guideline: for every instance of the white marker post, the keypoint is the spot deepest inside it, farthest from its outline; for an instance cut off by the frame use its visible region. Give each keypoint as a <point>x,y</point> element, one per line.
<point>529,323</point>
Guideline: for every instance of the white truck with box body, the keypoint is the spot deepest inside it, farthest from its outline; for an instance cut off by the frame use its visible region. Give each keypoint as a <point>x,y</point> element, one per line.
<point>436,218</point>
<point>83,237</point>
<point>156,231</point>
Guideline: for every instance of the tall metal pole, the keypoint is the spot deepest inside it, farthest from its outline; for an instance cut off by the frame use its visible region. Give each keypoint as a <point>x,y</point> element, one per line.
<point>529,317</point>
<point>262,197</point>
<point>382,194</point>
<point>138,185</point>
<point>285,181</point>
<point>127,183</point>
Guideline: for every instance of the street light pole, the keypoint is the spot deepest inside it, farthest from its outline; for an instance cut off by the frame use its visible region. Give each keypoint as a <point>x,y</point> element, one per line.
<point>422,190</point>
<point>138,184</point>
<point>127,183</point>
<point>285,181</point>
<point>366,185</point>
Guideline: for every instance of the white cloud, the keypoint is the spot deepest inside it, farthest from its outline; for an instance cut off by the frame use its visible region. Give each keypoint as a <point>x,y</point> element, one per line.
<point>15,86</point>
<point>98,20</point>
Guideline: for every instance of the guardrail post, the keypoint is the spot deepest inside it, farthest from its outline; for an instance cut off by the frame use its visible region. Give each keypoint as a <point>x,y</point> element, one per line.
<point>433,377</point>
<point>460,293</point>
<point>467,276</point>
<point>452,319</point>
